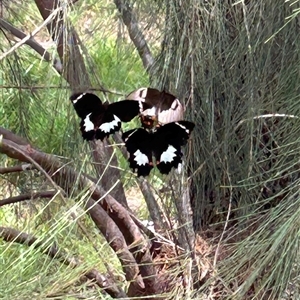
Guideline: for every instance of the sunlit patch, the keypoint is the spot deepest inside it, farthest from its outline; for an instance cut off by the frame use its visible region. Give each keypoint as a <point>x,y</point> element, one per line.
<point>179,168</point>
<point>88,124</point>
<point>140,158</point>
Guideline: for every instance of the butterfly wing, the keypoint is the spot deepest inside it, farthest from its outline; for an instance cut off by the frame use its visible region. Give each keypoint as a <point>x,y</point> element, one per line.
<point>115,113</point>
<point>91,111</point>
<point>85,103</point>
<point>170,109</point>
<point>125,110</point>
<point>168,140</point>
<point>163,107</point>
<point>139,144</point>
<point>100,120</point>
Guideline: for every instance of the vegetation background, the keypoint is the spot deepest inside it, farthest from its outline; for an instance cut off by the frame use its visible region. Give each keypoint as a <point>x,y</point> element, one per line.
<point>227,227</point>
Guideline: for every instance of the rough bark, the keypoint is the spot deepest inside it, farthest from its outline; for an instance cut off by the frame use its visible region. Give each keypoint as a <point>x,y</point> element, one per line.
<point>76,74</point>
<point>134,32</point>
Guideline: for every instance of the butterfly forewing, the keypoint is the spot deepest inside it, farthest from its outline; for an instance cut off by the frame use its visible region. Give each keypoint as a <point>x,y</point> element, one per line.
<point>176,133</point>
<point>86,103</point>
<point>125,110</point>
<point>168,141</point>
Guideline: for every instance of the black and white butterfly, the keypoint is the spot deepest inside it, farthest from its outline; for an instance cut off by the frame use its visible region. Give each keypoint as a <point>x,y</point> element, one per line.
<point>164,144</point>
<point>163,107</point>
<point>99,120</point>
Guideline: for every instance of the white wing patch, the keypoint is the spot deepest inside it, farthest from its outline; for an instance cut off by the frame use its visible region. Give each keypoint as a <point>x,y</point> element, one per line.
<point>168,155</point>
<point>150,111</point>
<point>79,97</point>
<point>140,158</point>
<point>107,127</point>
<point>175,104</point>
<point>143,92</point>
<point>88,124</point>
<point>186,130</point>
<point>138,95</point>
<point>174,114</point>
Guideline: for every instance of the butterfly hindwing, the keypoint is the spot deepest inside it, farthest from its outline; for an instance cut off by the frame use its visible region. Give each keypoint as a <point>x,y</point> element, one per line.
<point>139,146</point>
<point>167,157</point>
<point>168,141</point>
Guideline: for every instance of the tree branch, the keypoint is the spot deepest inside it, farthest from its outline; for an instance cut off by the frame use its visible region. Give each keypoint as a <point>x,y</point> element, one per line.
<point>33,44</point>
<point>28,37</point>
<point>65,177</point>
<point>75,72</point>
<point>135,33</point>
<point>12,137</point>
<point>67,41</point>
<point>135,240</point>
<point>15,236</point>
<point>14,169</point>
<point>11,200</point>
<point>152,205</point>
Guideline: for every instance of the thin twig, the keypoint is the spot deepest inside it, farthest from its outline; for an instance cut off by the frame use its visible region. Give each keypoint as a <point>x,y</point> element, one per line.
<point>18,168</point>
<point>135,32</point>
<point>29,36</point>
<point>31,42</point>
<point>42,87</point>
<point>234,130</point>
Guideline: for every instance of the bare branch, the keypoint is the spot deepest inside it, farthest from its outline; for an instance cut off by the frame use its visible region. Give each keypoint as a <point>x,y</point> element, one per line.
<point>33,44</point>
<point>137,242</point>
<point>18,168</point>
<point>67,41</point>
<point>12,137</point>
<point>27,37</point>
<point>153,207</point>
<point>116,240</point>
<point>15,236</point>
<point>65,177</point>
<point>104,153</point>
<point>11,200</point>
<point>135,33</point>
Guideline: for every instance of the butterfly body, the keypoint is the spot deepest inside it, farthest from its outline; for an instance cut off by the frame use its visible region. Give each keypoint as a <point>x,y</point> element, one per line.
<point>156,144</point>
<point>163,107</point>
